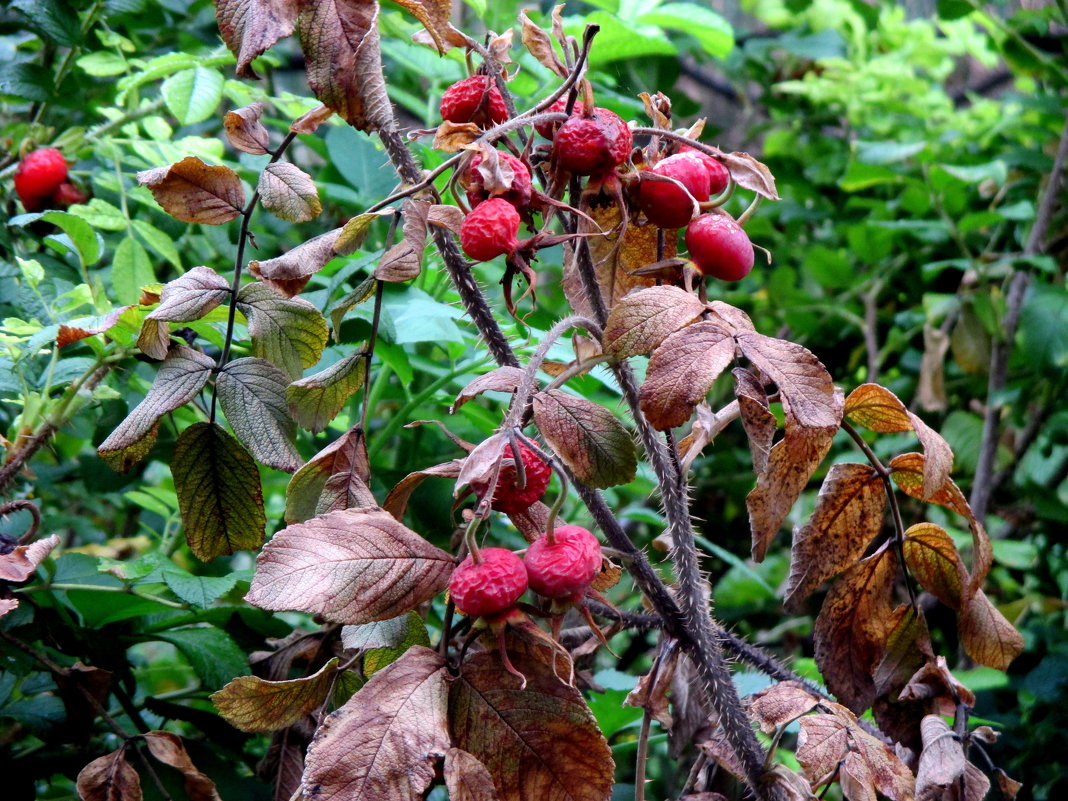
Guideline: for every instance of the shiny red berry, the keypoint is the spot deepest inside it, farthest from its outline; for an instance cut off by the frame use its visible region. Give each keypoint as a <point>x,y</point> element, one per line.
<point>592,145</point>
<point>476,99</point>
<point>718,175</point>
<point>719,247</point>
<point>490,230</point>
<point>549,129</point>
<point>38,175</point>
<point>508,498</point>
<point>490,586</point>
<point>518,194</point>
<point>565,568</point>
<point>667,205</point>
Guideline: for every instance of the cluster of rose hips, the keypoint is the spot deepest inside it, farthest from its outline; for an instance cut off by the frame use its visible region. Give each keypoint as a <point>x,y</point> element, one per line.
<point>41,181</point>
<point>559,565</point>
<point>592,143</point>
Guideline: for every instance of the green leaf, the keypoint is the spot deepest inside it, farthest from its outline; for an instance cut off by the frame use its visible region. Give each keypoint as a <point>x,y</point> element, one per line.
<point>414,634</point>
<point>219,492</point>
<point>85,241</point>
<point>100,214</point>
<point>860,176</point>
<point>26,81</point>
<point>102,64</point>
<point>360,162</point>
<point>887,152</point>
<point>289,332</point>
<point>707,26</point>
<point>160,242</point>
<point>315,401</point>
<point>252,393</point>
<point>197,590</point>
<point>212,653</point>
<point>1044,326</point>
<point>131,269</point>
<point>193,95</point>
<point>56,20</point>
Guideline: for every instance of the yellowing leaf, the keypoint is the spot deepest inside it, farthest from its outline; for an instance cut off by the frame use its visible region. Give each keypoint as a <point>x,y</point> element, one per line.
<point>932,558</point>
<point>254,704</point>
<point>315,401</point>
<point>986,635</point>
<point>847,517</point>
<point>169,749</point>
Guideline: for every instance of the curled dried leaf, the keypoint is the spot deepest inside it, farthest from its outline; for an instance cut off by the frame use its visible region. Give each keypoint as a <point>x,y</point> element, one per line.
<point>245,131</point>
<point>195,192</point>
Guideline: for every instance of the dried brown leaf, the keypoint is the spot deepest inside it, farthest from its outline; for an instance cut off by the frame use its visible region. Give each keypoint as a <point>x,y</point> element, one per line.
<point>169,749</point>
<point>781,703</point>
<point>351,566</point>
<point>347,455</point>
<point>757,420</point>
<point>309,121</point>
<point>85,327</point>
<point>975,786</point>
<point>643,319</point>
<point>435,14</point>
<point>245,131</point>
<point>396,502</point>
<point>540,743</point>
<point>1009,787</point>
<point>931,391</point>
<point>750,174</point>
<point>289,273</point>
<point>851,630</point>
<point>452,137</point>
<point>936,685</point>
<point>384,742</point>
<point>907,649</point>
<point>190,296</point>
<point>466,778</point>
<point>847,517</point>
<point>195,192</point>
<point>449,217</point>
<point>540,45</point>
<point>588,438</point>
<point>250,27</point>
<point>344,63</point>
<point>501,379</point>
<point>808,396</point>
<point>289,193</point>
<point>109,778</point>
<point>253,704</point>
<point>986,635</point>
<point>403,261</point>
<point>941,761</point>
<point>651,691</point>
<point>8,605</point>
<point>21,562</point>
<point>682,370</point>
<point>791,464</point>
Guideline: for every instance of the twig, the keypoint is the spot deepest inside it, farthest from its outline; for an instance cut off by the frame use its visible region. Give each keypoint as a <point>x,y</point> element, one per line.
<point>983,486</point>
<point>35,513</point>
<point>16,459</point>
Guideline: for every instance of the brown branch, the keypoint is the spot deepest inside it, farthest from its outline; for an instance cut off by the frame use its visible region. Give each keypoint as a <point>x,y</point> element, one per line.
<point>983,486</point>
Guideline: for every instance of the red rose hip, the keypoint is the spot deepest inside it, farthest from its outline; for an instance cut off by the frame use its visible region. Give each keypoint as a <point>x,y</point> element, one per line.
<point>38,175</point>
<point>593,145</point>
<point>667,205</point>
<point>490,586</point>
<point>718,175</point>
<point>508,498</point>
<point>490,230</point>
<point>719,247</point>
<point>549,129</point>
<point>476,99</point>
<point>565,568</point>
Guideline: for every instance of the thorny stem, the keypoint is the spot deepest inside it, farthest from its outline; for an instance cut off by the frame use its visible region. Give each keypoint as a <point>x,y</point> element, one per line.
<point>982,488</point>
<point>895,510</point>
<point>239,264</point>
<point>700,642</point>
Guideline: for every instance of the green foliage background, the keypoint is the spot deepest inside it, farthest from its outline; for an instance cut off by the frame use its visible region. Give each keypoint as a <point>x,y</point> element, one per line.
<point>910,144</point>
